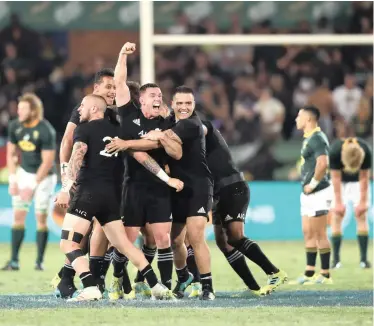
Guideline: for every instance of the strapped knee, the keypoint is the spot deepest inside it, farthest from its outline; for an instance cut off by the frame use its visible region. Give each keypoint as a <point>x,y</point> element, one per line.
<point>73,255</point>
<point>71,235</point>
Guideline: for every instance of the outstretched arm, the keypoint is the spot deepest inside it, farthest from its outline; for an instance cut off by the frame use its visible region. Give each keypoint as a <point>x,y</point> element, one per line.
<point>120,75</point>
<point>172,144</point>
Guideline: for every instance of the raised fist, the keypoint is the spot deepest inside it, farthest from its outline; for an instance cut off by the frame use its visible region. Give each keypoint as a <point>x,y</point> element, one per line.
<point>128,48</point>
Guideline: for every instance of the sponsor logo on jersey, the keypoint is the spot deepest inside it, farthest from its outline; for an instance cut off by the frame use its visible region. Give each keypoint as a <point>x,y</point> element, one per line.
<point>26,146</point>
<point>136,121</point>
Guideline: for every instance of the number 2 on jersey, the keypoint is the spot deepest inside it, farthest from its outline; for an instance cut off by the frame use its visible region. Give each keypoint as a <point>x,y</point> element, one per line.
<point>104,152</point>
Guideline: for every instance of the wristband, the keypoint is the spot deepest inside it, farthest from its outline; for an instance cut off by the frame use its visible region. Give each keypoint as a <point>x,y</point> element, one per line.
<point>313,183</point>
<point>163,176</point>
<point>12,178</point>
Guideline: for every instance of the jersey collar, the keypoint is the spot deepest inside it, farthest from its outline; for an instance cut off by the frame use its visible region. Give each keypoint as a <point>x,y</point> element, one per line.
<point>308,134</point>
<point>32,124</point>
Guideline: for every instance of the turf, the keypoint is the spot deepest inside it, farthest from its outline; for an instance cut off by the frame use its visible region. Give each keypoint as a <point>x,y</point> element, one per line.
<point>25,295</point>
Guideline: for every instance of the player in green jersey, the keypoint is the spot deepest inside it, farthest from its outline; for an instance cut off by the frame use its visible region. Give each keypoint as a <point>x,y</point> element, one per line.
<point>350,163</point>
<point>316,195</point>
<point>35,177</point>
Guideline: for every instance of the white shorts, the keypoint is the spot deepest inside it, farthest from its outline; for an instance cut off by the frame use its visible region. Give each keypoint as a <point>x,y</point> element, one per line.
<point>351,194</point>
<point>43,194</point>
<point>317,203</point>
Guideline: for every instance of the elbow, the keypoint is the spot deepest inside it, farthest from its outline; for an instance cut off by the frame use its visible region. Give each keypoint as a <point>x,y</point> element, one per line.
<point>178,156</point>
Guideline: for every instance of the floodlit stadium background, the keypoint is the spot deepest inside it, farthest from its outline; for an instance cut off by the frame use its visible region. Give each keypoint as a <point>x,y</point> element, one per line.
<point>54,48</point>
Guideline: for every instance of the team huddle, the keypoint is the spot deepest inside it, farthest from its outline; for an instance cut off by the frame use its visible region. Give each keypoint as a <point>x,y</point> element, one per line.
<point>136,168</point>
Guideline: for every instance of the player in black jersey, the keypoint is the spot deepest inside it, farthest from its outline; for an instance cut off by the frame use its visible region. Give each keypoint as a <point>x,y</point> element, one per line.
<point>96,196</point>
<point>190,207</point>
<point>146,196</point>
<point>63,282</point>
<point>231,200</point>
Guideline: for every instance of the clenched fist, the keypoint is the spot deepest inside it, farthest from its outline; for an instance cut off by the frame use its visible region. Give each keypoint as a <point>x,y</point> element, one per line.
<point>128,48</point>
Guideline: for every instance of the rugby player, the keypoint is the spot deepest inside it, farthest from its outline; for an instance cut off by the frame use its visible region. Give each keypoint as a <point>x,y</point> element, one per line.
<point>35,178</point>
<point>146,197</point>
<point>350,164</point>
<point>63,281</point>
<point>96,195</point>
<point>190,207</point>
<point>316,195</point>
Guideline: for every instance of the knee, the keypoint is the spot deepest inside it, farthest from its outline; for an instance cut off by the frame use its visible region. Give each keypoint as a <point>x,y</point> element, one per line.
<point>177,243</point>
<point>308,234</point>
<point>149,240</point>
<point>221,243</point>
<point>67,246</point>
<point>162,239</point>
<point>361,219</point>
<point>320,234</point>
<point>41,219</point>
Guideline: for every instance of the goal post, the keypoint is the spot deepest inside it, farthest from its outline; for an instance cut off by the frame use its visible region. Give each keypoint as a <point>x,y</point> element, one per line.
<point>148,40</point>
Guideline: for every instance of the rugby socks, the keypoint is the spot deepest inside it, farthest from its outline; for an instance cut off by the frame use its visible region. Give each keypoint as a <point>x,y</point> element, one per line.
<point>120,262</point>
<point>239,265</point>
<point>191,264</point>
<point>336,241</point>
<point>87,279</point>
<point>107,260</point>
<point>363,239</point>
<point>206,281</point>
<point>165,265</point>
<point>18,234</point>
<point>253,252</point>
<point>149,275</point>
<point>60,272</point>
<point>183,274</point>
<point>149,254</point>
<point>41,242</point>
<point>68,272</point>
<point>324,255</point>
<point>96,266</point>
<point>311,256</point>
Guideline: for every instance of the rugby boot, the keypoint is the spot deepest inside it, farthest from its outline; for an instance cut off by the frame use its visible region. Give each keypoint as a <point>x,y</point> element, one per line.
<point>39,267</point>
<point>248,293</point>
<point>274,280</point>
<point>161,292</point>
<point>320,279</point>
<point>142,288</point>
<point>336,265</point>
<point>365,264</point>
<point>115,290</point>
<point>129,296</point>
<point>182,286</point>
<point>11,266</point>
<point>90,293</point>
<point>65,289</point>
<point>195,290</point>
<point>207,294</point>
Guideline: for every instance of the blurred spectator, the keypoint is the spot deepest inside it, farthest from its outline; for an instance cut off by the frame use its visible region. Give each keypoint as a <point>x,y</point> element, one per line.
<point>347,97</point>
<point>362,121</point>
<point>271,112</point>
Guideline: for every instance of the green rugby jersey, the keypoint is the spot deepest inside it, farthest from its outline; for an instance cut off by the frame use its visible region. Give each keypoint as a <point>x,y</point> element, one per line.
<point>315,144</point>
<point>31,140</point>
<point>336,158</point>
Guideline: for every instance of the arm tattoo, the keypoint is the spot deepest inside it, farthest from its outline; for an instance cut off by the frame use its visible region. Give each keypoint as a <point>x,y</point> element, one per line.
<point>76,160</point>
<point>147,161</point>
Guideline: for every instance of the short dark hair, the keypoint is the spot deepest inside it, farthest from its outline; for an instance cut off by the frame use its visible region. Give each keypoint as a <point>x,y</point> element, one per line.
<point>134,88</point>
<point>184,90</point>
<point>312,110</point>
<point>144,87</point>
<point>105,72</point>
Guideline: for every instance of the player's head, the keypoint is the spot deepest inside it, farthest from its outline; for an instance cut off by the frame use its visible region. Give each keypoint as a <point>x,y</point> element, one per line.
<point>183,103</point>
<point>307,116</point>
<point>104,85</point>
<point>352,155</point>
<point>150,99</point>
<point>92,107</point>
<point>134,88</point>
<point>30,108</point>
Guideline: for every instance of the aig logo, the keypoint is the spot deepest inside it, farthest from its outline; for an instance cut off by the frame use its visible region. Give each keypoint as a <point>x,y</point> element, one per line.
<point>80,212</point>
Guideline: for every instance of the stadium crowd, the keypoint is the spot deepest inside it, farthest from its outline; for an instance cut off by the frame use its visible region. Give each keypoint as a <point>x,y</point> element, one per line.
<point>251,93</point>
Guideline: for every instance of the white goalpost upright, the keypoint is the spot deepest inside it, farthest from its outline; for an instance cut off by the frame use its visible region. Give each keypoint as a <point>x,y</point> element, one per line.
<point>148,40</point>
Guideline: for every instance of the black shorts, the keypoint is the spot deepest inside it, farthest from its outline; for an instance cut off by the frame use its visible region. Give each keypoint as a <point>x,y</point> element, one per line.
<point>191,203</point>
<point>89,202</point>
<point>231,204</point>
<point>145,203</point>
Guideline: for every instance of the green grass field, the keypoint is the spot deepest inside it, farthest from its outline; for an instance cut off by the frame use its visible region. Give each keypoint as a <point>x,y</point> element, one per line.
<point>347,302</point>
